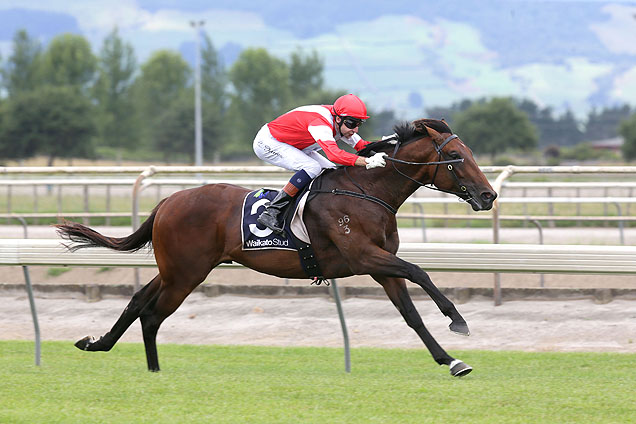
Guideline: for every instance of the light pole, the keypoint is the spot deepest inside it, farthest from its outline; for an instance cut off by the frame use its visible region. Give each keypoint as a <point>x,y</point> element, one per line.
<point>198,135</point>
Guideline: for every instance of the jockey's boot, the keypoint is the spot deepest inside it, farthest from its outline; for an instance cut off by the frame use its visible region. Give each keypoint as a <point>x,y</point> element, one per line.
<point>272,216</point>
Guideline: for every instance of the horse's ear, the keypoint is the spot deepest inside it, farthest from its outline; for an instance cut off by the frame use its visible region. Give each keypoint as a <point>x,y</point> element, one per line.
<point>434,134</point>
<point>421,127</point>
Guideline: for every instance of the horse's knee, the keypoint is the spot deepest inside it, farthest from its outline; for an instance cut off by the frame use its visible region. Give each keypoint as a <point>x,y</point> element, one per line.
<point>415,324</point>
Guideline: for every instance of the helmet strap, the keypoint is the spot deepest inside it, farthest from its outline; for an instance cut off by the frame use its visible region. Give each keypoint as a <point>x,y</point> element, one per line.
<point>339,125</point>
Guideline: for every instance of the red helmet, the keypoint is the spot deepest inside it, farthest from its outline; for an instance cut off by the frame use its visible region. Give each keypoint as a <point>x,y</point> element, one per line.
<point>350,105</point>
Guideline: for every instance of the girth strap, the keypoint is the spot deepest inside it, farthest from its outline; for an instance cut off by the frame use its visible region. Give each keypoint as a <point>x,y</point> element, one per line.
<point>308,259</point>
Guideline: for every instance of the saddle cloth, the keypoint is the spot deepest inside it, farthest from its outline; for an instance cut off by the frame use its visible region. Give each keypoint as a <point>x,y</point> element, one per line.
<point>257,237</point>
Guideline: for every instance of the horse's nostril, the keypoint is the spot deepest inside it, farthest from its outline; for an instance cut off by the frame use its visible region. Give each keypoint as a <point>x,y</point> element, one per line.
<point>487,195</point>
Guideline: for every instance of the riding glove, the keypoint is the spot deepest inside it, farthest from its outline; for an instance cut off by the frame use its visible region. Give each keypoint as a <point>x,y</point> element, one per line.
<point>375,161</point>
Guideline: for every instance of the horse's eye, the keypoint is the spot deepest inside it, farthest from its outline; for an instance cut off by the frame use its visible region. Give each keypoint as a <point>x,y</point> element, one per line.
<point>454,155</point>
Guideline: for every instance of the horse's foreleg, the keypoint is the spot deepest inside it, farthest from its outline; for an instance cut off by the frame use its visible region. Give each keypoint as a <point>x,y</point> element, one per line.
<point>458,324</point>
<point>381,262</point>
<point>395,289</point>
<point>130,314</point>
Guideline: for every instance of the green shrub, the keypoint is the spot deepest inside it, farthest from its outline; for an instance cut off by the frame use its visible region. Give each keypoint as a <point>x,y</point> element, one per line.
<point>55,272</point>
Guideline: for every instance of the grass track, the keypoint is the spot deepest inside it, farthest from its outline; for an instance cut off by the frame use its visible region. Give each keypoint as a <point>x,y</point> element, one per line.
<point>228,384</point>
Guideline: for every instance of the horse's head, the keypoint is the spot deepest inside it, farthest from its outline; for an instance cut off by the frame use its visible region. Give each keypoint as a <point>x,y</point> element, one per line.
<point>428,153</point>
<point>463,178</point>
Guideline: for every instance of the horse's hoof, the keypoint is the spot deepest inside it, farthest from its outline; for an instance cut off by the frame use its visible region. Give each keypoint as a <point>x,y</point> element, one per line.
<point>84,343</point>
<point>459,328</point>
<point>459,369</point>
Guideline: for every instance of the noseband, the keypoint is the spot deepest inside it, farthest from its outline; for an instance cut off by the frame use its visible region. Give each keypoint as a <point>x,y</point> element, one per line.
<point>442,161</point>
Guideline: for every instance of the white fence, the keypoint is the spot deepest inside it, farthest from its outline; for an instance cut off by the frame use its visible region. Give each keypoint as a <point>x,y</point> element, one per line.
<point>268,175</point>
<point>429,256</point>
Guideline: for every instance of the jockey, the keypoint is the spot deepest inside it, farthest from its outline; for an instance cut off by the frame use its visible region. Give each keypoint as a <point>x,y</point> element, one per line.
<point>292,141</point>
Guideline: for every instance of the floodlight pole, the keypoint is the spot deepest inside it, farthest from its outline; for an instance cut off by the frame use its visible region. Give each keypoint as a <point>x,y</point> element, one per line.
<point>198,135</point>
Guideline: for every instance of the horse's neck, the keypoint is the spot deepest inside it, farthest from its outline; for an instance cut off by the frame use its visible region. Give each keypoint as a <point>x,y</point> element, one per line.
<point>395,186</point>
<point>385,184</point>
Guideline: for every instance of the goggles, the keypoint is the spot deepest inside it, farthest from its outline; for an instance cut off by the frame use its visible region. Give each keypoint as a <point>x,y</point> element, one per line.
<point>352,123</point>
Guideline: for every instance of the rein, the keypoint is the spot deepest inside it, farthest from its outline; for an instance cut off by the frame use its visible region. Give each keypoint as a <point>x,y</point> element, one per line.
<point>362,195</point>
<point>405,162</point>
<point>442,161</point>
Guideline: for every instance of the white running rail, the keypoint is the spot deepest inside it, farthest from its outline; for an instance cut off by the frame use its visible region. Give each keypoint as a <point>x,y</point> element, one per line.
<point>534,258</point>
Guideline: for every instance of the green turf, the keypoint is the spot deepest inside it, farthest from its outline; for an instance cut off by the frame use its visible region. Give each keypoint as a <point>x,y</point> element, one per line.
<point>222,384</point>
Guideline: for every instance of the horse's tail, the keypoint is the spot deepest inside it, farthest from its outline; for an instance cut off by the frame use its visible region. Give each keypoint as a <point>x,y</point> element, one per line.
<point>84,236</point>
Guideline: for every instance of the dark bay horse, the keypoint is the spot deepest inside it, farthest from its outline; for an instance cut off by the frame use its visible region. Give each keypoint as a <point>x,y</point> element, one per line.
<point>194,230</point>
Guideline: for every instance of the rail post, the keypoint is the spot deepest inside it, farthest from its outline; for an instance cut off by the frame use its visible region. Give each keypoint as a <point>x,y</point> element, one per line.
<point>498,184</point>
<point>29,289</point>
<point>148,172</point>
<point>343,324</point>
<point>538,225</point>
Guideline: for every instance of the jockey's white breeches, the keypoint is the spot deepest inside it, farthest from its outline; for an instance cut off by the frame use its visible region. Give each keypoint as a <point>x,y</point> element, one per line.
<point>274,152</point>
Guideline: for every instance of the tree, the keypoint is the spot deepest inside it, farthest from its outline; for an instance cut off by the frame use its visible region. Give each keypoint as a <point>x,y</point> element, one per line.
<point>214,99</point>
<point>69,61</point>
<point>382,123</point>
<point>164,79</point>
<point>628,131</point>
<point>567,131</point>
<point>495,126</point>
<point>261,93</point>
<point>305,78</point>
<point>561,131</point>
<point>21,70</point>
<point>606,123</point>
<point>52,120</point>
<point>547,127</point>
<point>213,76</point>
<point>116,113</point>
<point>175,129</point>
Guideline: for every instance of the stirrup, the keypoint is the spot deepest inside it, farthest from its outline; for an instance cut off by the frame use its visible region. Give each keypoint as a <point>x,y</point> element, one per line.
<point>272,226</point>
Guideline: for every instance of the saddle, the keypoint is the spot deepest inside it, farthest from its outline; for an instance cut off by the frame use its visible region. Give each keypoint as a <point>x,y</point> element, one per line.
<point>254,237</point>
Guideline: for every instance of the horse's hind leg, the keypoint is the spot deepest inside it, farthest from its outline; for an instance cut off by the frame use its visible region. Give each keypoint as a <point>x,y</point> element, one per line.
<point>395,288</point>
<point>130,314</point>
<point>162,306</point>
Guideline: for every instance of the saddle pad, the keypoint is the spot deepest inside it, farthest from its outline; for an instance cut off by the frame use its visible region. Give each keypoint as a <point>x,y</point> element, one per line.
<point>297,225</point>
<point>254,235</point>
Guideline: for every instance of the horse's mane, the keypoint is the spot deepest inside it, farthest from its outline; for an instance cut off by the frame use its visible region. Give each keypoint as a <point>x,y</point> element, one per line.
<point>406,132</point>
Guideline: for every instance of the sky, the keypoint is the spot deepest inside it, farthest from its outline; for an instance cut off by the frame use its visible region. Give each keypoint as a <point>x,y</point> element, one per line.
<point>403,55</point>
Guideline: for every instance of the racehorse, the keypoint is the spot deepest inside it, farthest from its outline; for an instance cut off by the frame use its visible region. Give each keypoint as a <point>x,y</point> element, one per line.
<point>194,230</point>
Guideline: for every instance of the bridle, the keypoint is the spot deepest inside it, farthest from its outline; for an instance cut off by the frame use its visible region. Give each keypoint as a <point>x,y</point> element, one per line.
<point>442,161</point>
<point>394,160</point>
